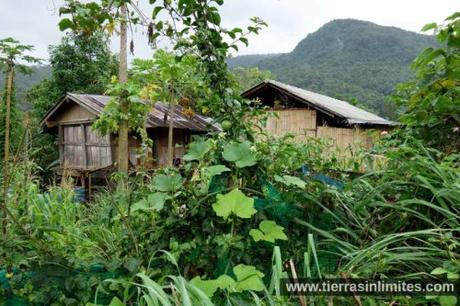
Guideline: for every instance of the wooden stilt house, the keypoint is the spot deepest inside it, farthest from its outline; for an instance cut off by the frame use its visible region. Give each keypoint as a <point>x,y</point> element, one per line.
<point>82,150</point>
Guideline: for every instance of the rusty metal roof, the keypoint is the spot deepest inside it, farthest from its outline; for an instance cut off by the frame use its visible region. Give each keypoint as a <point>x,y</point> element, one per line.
<point>350,113</point>
<point>158,117</point>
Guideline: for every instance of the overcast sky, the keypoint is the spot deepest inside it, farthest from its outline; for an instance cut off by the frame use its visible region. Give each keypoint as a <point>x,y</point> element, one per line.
<point>35,21</point>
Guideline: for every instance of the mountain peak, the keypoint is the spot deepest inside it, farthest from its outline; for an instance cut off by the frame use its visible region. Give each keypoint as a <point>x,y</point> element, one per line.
<point>363,37</point>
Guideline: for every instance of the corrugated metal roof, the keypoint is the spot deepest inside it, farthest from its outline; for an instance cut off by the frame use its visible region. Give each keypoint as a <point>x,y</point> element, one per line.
<point>158,117</point>
<point>351,114</point>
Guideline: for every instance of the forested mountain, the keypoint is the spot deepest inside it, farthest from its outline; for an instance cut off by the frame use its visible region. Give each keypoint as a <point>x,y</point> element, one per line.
<point>348,59</point>
<point>24,82</point>
<point>249,60</point>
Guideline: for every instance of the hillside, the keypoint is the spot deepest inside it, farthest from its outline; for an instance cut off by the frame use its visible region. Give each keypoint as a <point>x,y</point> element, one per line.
<point>349,59</point>
<point>249,60</point>
<point>25,82</point>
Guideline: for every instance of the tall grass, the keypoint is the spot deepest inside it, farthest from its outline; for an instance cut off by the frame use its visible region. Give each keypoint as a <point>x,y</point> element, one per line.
<point>402,222</point>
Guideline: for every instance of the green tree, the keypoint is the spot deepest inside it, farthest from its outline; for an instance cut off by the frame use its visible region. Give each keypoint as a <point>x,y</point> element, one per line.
<point>431,103</point>
<point>12,57</point>
<point>80,64</point>
<point>246,78</point>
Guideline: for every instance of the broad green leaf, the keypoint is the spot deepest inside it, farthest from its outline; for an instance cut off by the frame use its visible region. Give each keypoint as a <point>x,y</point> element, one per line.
<point>197,150</point>
<point>214,17</point>
<point>244,40</point>
<point>225,282</point>
<point>154,201</point>
<point>291,181</point>
<point>452,276</point>
<point>116,302</point>
<point>453,16</point>
<point>215,170</point>
<point>248,278</point>
<point>167,183</point>
<point>240,154</point>
<point>234,202</point>
<point>156,10</point>
<point>429,26</point>
<point>209,287</point>
<point>65,24</point>
<point>449,300</point>
<point>268,231</point>
<point>438,271</point>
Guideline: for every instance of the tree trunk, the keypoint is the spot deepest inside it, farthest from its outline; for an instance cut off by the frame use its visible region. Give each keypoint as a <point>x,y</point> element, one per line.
<point>9,89</point>
<point>123,133</point>
<point>172,109</point>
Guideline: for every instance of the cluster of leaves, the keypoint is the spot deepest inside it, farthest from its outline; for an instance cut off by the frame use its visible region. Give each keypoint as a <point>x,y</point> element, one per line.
<point>79,64</point>
<point>396,223</point>
<point>246,78</point>
<point>108,122</point>
<point>430,103</point>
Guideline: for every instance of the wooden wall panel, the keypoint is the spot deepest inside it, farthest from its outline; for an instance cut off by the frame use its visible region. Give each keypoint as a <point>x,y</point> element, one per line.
<point>84,148</point>
<point>74,113</point>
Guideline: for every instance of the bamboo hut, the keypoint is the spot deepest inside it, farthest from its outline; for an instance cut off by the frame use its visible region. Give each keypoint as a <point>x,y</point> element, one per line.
<point>308,114</point>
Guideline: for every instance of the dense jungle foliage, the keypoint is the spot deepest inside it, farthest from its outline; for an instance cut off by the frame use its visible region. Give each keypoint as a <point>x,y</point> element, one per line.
<point>348,59</point>
<point>246,210</point>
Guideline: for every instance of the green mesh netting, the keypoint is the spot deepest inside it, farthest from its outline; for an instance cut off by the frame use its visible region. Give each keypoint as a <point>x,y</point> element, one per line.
<point>274,204</point>
<point>218,183</point>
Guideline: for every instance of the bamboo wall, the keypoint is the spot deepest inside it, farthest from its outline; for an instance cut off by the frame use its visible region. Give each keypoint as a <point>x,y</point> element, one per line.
<point>346,137</point>
<point>303,124</point>
<point>300,122</point>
